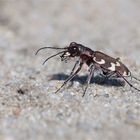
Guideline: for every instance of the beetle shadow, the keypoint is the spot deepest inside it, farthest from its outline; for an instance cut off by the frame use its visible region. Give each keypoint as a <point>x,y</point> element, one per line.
<point>82,80</point>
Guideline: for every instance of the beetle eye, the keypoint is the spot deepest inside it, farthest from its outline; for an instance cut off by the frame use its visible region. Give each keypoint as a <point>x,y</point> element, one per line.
<point>75,49</point>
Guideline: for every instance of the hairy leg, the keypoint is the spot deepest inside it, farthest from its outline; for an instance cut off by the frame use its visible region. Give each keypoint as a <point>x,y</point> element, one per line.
<point>127,81</point>
<point>91,70</point>
<point>77,62</point>
<point>70,77</point>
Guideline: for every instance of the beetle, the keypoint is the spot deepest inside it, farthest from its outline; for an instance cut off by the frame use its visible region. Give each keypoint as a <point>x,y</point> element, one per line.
<point>95,60</point>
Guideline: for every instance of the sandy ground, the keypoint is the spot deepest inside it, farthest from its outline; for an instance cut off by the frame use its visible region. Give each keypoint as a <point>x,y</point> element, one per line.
<point>29,109</point>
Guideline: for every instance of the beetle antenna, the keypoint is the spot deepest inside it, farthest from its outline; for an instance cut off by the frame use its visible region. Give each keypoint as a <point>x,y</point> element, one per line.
<point>48,48</point>
<point>53,56</point>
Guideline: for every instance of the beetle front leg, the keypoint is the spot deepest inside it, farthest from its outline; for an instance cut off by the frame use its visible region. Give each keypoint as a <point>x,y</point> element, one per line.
<point>70,77</point>
<point>77,62</point>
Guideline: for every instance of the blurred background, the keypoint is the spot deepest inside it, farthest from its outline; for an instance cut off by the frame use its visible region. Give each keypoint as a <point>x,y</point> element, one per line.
<point>104,24</point>
<point>111,26</point>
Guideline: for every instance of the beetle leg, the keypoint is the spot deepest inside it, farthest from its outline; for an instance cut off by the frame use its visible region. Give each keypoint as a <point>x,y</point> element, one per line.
<point>92,69</point>
<point>70,77</point>
<point>127,81</point>
<point>77,62</point>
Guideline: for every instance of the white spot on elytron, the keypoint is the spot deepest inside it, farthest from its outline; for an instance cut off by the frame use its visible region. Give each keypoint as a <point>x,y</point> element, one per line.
<point>112,68</point>
<point>67,54</point>
<point>102,61</point>
<point>126,74</point>
<point>118,64</point>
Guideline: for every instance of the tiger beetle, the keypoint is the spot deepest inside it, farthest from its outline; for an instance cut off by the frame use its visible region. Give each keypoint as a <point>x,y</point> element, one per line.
<point>108,66</point>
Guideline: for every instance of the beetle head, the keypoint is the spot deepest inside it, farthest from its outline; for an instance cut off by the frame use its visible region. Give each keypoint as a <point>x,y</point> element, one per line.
<point>73,50</point>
